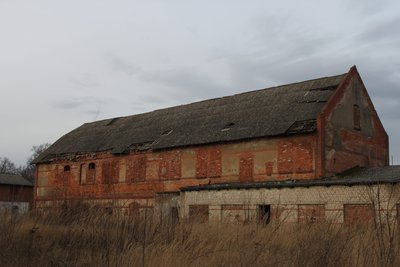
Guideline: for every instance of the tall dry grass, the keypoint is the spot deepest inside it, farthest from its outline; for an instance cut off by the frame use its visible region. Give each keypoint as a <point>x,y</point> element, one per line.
<point>92,238</point>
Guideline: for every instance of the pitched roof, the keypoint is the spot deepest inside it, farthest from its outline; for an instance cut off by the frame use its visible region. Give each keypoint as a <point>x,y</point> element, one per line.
<point>286,109</point>
<point>13,179</point>
<point>355,176</point>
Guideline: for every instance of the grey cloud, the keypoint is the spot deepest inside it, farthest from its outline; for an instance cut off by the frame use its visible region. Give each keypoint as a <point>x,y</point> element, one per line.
<point>77,102</point>
<point>365,7</point>
<point>279,53</point>
<point>184,83</point>
<point>84,80</point>
<point>382,31</point>
<point>118,64</point>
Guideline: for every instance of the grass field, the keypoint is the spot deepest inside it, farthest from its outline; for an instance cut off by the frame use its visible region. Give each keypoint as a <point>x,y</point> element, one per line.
<point>89,238</point>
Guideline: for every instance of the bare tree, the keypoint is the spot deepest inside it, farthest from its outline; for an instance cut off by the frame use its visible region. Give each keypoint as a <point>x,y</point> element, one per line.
<point>7,166</point>
<point>28,171</point>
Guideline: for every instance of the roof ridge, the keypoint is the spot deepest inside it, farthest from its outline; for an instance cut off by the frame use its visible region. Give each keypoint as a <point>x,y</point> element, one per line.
<point>289,84</point>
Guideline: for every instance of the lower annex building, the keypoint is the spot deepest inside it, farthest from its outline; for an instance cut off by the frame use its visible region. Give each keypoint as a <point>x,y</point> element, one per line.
<point>277,153</point>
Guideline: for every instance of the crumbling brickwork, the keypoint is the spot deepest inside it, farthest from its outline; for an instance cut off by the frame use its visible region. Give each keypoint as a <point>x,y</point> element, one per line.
<point>354,135</point>
<point>138,175</point>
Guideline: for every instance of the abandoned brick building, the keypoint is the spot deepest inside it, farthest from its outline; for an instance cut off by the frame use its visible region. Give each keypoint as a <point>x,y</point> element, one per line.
<point>270,151</point>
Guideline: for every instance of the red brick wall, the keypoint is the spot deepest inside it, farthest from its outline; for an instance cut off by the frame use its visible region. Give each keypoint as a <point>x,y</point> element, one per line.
<point>136,168</point>
<point>295,156</point>
<point>170,165</point>
<point>208,162</point>
<point>246,168</point>
<point>141,175</point>
<point>353,136</point>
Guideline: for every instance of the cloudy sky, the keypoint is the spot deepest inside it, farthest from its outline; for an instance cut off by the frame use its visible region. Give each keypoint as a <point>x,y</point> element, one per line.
<point>63,63</point>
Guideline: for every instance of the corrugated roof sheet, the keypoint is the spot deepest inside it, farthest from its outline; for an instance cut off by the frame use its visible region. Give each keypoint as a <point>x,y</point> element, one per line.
<point>355,176</point>
<point>13,179</point>
<point>287,109</point>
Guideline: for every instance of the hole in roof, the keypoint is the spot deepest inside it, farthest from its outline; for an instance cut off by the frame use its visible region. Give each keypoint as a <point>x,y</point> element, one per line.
<point>227,126</point>
<point>112,121</point>
<point>167,132</point>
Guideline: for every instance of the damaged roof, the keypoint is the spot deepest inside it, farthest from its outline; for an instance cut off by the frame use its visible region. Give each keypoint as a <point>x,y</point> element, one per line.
<point>13,179</point>
<point>355,176</point>
<point>286,109</point>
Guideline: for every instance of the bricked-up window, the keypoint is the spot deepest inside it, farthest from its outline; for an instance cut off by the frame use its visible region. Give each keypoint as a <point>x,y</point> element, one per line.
<point>63,177</point>
<point>137,210</point>
<point>199,213</point>
<point>110,172</point>
<point>358,213</point>
<point>82,174</point>
<point>310,213</point>
<point>246,168</point>
<point>295,157</point>
<point>269,168</point>
<point>356,117</point>
<point>208,163</point>
<point>214,163</point>
<point>136,169</point>
<point>235,213</point>
<point>170,165</point>
<point>90,173</point>
<point>134,209</point>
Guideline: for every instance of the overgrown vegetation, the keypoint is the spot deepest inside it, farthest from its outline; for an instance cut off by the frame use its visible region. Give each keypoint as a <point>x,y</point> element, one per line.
<point>93,238</point>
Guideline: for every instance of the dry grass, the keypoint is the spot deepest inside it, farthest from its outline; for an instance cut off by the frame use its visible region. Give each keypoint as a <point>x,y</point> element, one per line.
<point>90,238</point>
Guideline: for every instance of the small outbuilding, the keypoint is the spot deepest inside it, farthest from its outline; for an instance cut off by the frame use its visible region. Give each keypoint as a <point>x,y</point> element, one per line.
<point>16,193</point>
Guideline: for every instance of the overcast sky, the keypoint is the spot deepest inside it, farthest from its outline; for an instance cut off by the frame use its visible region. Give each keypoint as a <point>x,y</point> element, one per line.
<point>64,63</point>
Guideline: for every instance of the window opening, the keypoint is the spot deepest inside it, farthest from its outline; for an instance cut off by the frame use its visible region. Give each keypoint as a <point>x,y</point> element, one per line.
<point>67,168</point>
<point>14,209</point>
<point>264,214</point>
<point>174,214</point>
<point>92,166</point>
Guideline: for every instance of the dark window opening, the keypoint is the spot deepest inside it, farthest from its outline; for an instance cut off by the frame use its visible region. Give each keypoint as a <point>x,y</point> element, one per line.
<point>108,210</point>
<point>356,117</point>
<point>174,214</point>
<point>67,168</point>
<point>92,166</point>
<point>14,209</point>
<point>264,214</point>
<point>90,173</point>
